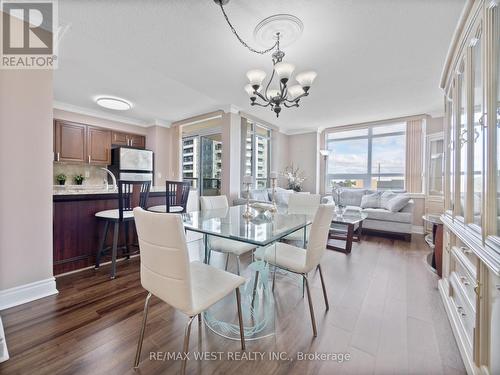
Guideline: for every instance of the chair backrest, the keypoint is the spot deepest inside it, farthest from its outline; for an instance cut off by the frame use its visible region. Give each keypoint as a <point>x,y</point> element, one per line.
<point>303,204</point>
<point>318,235</point>
<point>165,269</point>
<point>213,202</point>
<point>177,193</point>
<point>132,194</point>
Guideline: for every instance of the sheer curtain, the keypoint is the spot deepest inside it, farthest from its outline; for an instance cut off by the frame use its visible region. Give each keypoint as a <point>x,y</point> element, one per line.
<point>414,156</point>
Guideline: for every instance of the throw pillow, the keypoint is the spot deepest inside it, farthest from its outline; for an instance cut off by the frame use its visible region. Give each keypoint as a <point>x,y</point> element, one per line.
<point>370,200</point>
<point>398,202</point>
<point>385,198</point>
<point>282,197</point>
<point>259,195</point>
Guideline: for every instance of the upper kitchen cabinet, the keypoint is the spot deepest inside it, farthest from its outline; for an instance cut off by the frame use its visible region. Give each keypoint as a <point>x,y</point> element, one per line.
<point>119,139</point>
<point>126,139</point>
<point>98,146</point>
<point>69,142</point>
<point>80,143</point>
<point>138,141</point>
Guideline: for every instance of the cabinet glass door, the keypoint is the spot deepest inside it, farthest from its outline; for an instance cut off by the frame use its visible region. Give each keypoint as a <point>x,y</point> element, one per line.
<point>451,152</point>
<point>462,139</point>
<point>478,135</point>
<point>436,159</point>
<point>496,23</point>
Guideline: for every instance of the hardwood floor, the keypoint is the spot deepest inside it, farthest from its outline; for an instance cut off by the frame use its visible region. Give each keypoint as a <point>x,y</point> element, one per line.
<point>385,311</point>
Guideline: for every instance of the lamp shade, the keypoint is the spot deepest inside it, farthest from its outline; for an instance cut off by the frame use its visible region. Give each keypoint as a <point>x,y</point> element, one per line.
<point>284,71</point>
<point>247,179</point>
<point>305,79</point>
<point>256,77</point>
<point>273,93</point>
<point>295,91</point>
<point>249,89</point>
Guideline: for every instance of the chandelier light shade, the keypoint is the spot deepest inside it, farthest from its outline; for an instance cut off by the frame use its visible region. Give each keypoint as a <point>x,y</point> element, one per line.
<point>295,91</point>
<point>306,79</point>
<point>284,71</point>
<point>256,77</point>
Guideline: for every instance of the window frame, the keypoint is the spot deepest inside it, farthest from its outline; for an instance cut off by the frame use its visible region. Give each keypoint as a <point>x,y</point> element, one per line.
<point>254,153</point>
<point>366,177</point>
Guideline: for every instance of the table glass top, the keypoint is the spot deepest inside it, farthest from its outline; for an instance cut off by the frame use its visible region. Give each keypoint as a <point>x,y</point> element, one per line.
<point>260,230</point>
<point>349,218</point>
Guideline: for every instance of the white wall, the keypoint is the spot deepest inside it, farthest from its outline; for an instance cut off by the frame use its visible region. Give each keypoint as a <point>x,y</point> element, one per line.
<point>26,155</point>
<point>303,153</point>
<point>231,155</point>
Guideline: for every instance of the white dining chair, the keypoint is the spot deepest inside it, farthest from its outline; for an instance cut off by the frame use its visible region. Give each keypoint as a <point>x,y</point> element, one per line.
<point>302,204</point>
<point>223,245</point>
<point>167,273</point>
<point>300,261</point>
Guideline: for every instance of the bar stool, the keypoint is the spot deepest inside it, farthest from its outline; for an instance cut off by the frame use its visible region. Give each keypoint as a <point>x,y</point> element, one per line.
<point>176,197</point>
<point>130,195</point>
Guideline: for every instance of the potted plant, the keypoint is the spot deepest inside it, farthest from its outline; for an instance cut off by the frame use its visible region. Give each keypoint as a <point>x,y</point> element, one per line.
<point>61,178</point>
<point>79,179</point>
<point>295,178</point>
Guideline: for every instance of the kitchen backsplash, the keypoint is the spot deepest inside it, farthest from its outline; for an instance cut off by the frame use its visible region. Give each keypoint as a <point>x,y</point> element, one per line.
<point>94,175</point>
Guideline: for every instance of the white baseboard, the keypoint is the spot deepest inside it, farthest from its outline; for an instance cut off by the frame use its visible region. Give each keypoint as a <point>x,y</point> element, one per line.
<point>4,354</point>
<point>27,293</point>
<point>417,229</point>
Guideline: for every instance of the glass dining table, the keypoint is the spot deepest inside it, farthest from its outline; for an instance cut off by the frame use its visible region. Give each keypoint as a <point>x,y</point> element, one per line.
<point>262,230</point>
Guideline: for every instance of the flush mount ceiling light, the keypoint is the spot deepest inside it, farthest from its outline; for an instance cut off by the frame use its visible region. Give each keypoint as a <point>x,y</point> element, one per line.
<point>279,28</point>
<point>116,104</point>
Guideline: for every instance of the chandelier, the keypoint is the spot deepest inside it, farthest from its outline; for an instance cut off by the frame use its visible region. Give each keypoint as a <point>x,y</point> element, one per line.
<point>277,93</point>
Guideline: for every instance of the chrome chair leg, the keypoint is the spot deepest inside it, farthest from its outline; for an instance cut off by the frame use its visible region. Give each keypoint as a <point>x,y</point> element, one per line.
<point>238,264</point>
<point>114,249</point>
<point>311,309</point>
<point>240,319</point>
<point>255,286</point>
<point>102,244</point>
<point>227,261</point>
<point>143,328</point>
<point>185,349</point>
<point>324,288</point>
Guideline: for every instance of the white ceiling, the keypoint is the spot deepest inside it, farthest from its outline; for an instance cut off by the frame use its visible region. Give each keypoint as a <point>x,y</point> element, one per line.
<point>173,59</point>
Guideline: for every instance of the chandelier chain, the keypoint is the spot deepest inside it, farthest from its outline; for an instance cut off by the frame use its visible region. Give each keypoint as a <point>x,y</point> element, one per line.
<point>241,40</point>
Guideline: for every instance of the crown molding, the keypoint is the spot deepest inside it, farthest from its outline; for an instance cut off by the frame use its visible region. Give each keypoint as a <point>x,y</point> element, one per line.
<point>100,114</point>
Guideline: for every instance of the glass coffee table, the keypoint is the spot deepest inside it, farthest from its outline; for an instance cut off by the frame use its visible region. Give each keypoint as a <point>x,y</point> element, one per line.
<point>345,227</point>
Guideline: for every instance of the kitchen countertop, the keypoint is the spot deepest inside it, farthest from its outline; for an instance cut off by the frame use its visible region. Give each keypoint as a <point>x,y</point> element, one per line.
<point>74,192</point>
<point>77,190</point>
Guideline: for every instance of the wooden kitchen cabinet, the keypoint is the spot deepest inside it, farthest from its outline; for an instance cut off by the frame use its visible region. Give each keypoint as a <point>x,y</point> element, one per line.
<point>120,139</point>
<point>137,141</point>
<point>98,146</point>
<point>69,142</point>
<point>127,139</point>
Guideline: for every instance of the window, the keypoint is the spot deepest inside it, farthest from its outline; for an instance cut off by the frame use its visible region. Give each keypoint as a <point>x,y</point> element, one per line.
<point>372,157</point>
<point>202,162</point>
<point>256,154</point>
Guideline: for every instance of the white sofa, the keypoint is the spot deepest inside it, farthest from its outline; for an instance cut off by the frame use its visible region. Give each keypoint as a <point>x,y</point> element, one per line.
<point>379,219</point>
<point>265,196</point>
